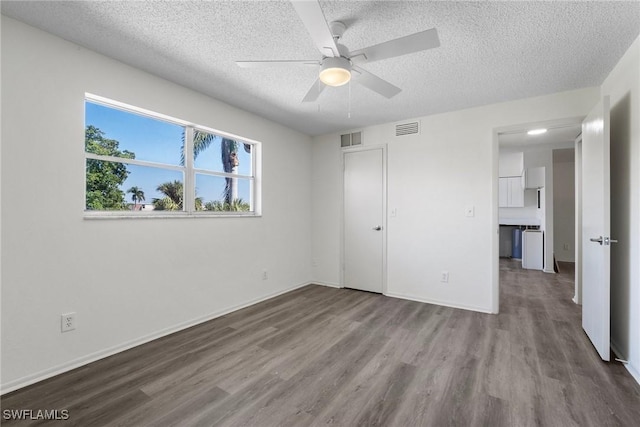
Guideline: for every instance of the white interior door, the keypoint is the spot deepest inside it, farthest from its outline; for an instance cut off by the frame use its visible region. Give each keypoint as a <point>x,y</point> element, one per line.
<point>596,228</point>
<point>363,219</point>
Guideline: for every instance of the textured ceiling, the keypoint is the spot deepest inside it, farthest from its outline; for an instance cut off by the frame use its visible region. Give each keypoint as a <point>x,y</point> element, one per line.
<point>490,51</point>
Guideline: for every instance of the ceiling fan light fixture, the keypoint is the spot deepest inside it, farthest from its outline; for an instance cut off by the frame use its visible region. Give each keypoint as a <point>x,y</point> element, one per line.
<point>335,71</point>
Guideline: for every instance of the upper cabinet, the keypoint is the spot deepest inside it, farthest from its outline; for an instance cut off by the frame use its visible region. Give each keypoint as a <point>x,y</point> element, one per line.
<point>511,164</point>
<point>510,192</point>
<point>534,177</point>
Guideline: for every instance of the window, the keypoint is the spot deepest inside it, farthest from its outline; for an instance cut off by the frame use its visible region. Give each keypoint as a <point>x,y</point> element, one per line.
<point>140,163</point>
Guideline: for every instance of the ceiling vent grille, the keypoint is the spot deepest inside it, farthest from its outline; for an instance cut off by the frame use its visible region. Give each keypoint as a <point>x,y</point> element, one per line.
<point>407,128</point>
<point>350,139</point>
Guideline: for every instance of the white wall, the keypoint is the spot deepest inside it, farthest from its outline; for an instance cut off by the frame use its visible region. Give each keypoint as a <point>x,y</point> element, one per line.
<point>623,86</point>
<point>431,178</point>
<point>564,210</point>
<point>133,279</point>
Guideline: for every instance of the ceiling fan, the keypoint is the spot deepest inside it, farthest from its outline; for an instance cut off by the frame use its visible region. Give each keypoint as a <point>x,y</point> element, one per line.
<point>338,65</point>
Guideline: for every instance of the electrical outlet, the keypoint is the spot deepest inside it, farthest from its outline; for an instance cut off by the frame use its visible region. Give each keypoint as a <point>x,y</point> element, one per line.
<point>68,322</point>
<point>265,276</point>
<point>444,276</point>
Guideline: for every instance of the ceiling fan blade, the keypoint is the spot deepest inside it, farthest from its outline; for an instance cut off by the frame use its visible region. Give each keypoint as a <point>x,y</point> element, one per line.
<point>314,92</point>
<point>256,64</point>
<point>413,43</point>
<point>375,83</point>
<point>312,17</point>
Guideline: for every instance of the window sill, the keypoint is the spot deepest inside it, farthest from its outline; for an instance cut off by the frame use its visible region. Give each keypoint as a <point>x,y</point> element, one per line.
<point>164,215</point>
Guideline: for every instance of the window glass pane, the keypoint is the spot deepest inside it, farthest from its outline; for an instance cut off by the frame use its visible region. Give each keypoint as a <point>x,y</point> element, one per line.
<point>113,186</point>
<point>216,193</point>
<point>218,154</point>
<point>119,133</point>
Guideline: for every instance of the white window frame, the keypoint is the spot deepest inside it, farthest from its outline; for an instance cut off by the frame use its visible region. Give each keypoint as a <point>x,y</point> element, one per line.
<point>188,170</point>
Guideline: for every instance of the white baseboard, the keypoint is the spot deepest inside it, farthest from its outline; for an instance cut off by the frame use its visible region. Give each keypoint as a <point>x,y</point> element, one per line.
<point>92,357</point>
<point>329,284</point>
<point>438,302</point>
<point>616,350</point>
<point>635,373</point>
<point>632,369</point>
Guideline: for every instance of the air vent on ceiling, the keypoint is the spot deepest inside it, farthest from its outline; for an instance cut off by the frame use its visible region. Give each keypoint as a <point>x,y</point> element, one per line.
<point>407,128</point>
<point>350,139</point>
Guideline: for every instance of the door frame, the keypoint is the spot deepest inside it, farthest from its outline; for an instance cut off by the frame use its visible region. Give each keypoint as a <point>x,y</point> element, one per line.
<point>382,147</point>
<point>495,241</point>
<point>577,297</point>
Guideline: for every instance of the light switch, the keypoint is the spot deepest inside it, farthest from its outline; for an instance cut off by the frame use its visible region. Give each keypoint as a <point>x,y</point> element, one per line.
<point>469,211</point>
<point>394,212</point>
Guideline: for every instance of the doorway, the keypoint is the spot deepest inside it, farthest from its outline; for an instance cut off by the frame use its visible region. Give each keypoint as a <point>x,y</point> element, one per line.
<point>564,209</point>
<point>364,219</point>
<point>545,209</point>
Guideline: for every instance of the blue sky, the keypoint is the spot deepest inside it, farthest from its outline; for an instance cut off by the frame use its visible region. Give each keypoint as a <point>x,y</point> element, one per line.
<point>160,142</point>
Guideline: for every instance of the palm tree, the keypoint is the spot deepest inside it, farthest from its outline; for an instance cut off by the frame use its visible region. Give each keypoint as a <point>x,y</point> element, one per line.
<point>173,197</point>
<point>237,205</point>
<point>229,157</point>
<point>137,195</point>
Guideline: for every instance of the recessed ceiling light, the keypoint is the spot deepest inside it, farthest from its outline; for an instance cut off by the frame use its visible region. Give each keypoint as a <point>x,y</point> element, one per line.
<point>536,131</point>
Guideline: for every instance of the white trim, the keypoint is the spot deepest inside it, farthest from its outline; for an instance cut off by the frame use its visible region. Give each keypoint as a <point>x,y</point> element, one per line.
<point>189,176</point>
<point>494,293</point>
<point>616,350</point>
<point>93,215</point>
<point>577,298</point>
<point>549,124</point>
<point>630,368</point>
<point>328,284</point>
<point>134,162</point>
<point>440,302</point>
<point>635,373</point>
<point>101,354</point>
<point>222,174</point>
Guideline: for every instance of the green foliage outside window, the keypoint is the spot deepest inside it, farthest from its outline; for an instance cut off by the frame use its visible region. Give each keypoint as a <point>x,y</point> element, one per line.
<point>105,178</point>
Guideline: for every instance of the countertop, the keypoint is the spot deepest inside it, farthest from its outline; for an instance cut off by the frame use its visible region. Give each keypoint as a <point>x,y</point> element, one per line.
<point>519,221</point>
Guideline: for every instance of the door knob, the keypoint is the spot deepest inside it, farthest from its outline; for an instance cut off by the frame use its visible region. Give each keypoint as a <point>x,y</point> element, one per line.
<point>377,228</point>
<point>603,240</point>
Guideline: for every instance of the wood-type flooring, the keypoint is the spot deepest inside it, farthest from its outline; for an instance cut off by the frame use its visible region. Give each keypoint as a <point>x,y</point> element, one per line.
<point>322,356</point>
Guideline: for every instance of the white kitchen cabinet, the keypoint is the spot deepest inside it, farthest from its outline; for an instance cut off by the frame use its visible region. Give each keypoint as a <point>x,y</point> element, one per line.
<point>534,177</point>
<point>510,192</point>
<point>510,164</point>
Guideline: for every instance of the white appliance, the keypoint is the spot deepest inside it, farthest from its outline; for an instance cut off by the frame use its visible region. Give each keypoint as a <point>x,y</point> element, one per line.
<point>532,249</point>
